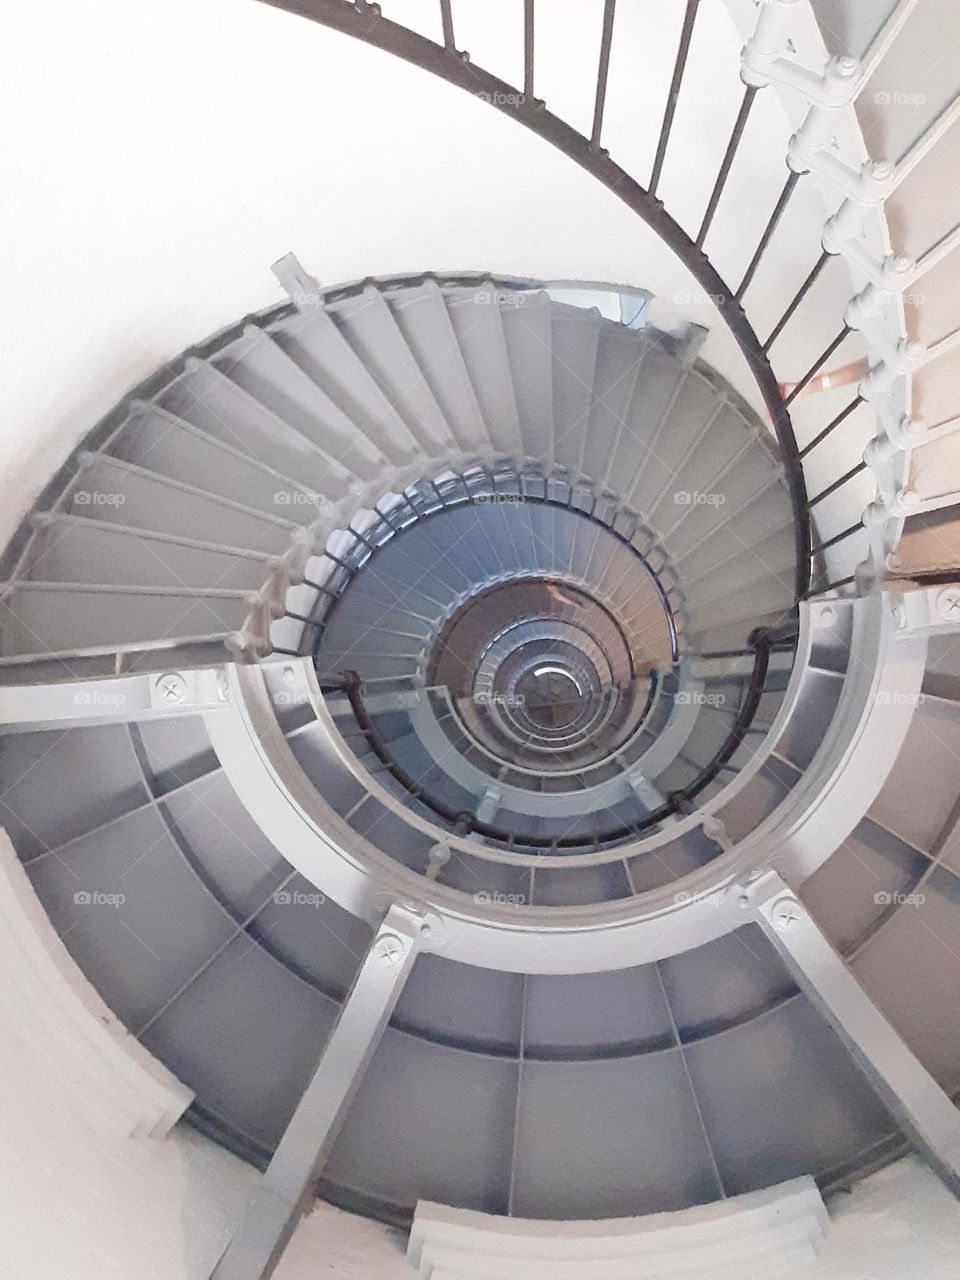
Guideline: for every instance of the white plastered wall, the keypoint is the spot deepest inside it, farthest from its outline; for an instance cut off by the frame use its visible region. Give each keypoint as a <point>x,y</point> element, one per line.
<point>159,156</point>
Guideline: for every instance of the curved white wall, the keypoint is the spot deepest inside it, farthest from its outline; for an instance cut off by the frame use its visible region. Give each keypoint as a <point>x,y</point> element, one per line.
<point>159,156</point>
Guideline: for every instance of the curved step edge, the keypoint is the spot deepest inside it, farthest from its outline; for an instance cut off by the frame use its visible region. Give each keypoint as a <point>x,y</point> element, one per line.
<point>766,1232</point>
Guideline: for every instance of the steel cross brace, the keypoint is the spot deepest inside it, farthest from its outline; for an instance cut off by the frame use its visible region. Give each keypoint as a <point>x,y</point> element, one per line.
<point>921,1108</point>
<point>287,1186</point>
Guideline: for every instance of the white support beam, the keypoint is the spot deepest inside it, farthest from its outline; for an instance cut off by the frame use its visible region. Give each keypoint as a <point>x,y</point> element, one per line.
<point>918,1104</point>
<point>286,1187</point>
<point>929,611</point>
<point>112,700</point>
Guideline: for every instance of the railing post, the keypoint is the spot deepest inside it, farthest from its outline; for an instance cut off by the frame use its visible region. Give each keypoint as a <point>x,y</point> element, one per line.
<point>864,192</point>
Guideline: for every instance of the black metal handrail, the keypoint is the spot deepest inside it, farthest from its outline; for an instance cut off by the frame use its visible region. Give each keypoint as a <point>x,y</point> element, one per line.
<point>616,761</point>
<point>365,22</point>
<point>762,643</point>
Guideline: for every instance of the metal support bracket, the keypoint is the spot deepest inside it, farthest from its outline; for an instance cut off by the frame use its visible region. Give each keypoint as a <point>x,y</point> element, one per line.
<point>302,287</point>
<point>921,1108</point>
<point>113,700</point>
<point>928,611</point>
<point>864,192</point>
<point>287,1186</point>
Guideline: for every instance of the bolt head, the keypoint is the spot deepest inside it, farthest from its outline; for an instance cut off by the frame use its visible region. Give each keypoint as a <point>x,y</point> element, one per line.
<point>171,688</point>
<point>948,604</point>
<point>786,915</point>
<point>439,854</point>
<point>390,949</point>
<point>907,500</point>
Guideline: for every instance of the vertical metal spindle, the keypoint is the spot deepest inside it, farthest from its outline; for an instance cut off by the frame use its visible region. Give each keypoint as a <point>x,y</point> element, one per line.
<point>446,17</point>
<point>528,49</point>
<point>838,537</point>
<point>775,217</point>
<point>798,298</point>
<point>832,488</point>
<point>817,365</point>
<point>603,70</point>
<point>835,422</point>
<point>739,125</point>
<point>671,107</point>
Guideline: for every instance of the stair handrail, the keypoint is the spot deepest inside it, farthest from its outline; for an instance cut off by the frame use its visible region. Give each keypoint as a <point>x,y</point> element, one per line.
<point>678,802</point>
<point>764,62</point>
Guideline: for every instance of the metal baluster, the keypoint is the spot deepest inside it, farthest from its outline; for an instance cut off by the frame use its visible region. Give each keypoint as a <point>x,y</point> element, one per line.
<point>844,413</point>
<point>838,537</point>
<point>528,49</point>
<point>671,107</point>
<point>738,127</point>
<point>798,298</point>
<point>854,471</point>
<point>446,17</point>
<point>603,71</point>
<point>817,365</point>
<point>775,217</point>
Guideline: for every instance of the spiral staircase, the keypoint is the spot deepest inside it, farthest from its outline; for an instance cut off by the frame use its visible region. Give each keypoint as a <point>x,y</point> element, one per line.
<point>446,732</point>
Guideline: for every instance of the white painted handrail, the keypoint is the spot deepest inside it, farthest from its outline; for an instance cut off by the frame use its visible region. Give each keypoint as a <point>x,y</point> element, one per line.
<point>891,363</point>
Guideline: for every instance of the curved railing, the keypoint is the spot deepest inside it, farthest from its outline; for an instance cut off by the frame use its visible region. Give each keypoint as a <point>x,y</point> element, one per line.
<point>367,23</point>
<point>616,760</point>
<point>461,822</point>
<point>766,61</point>
<point>359,546</point>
